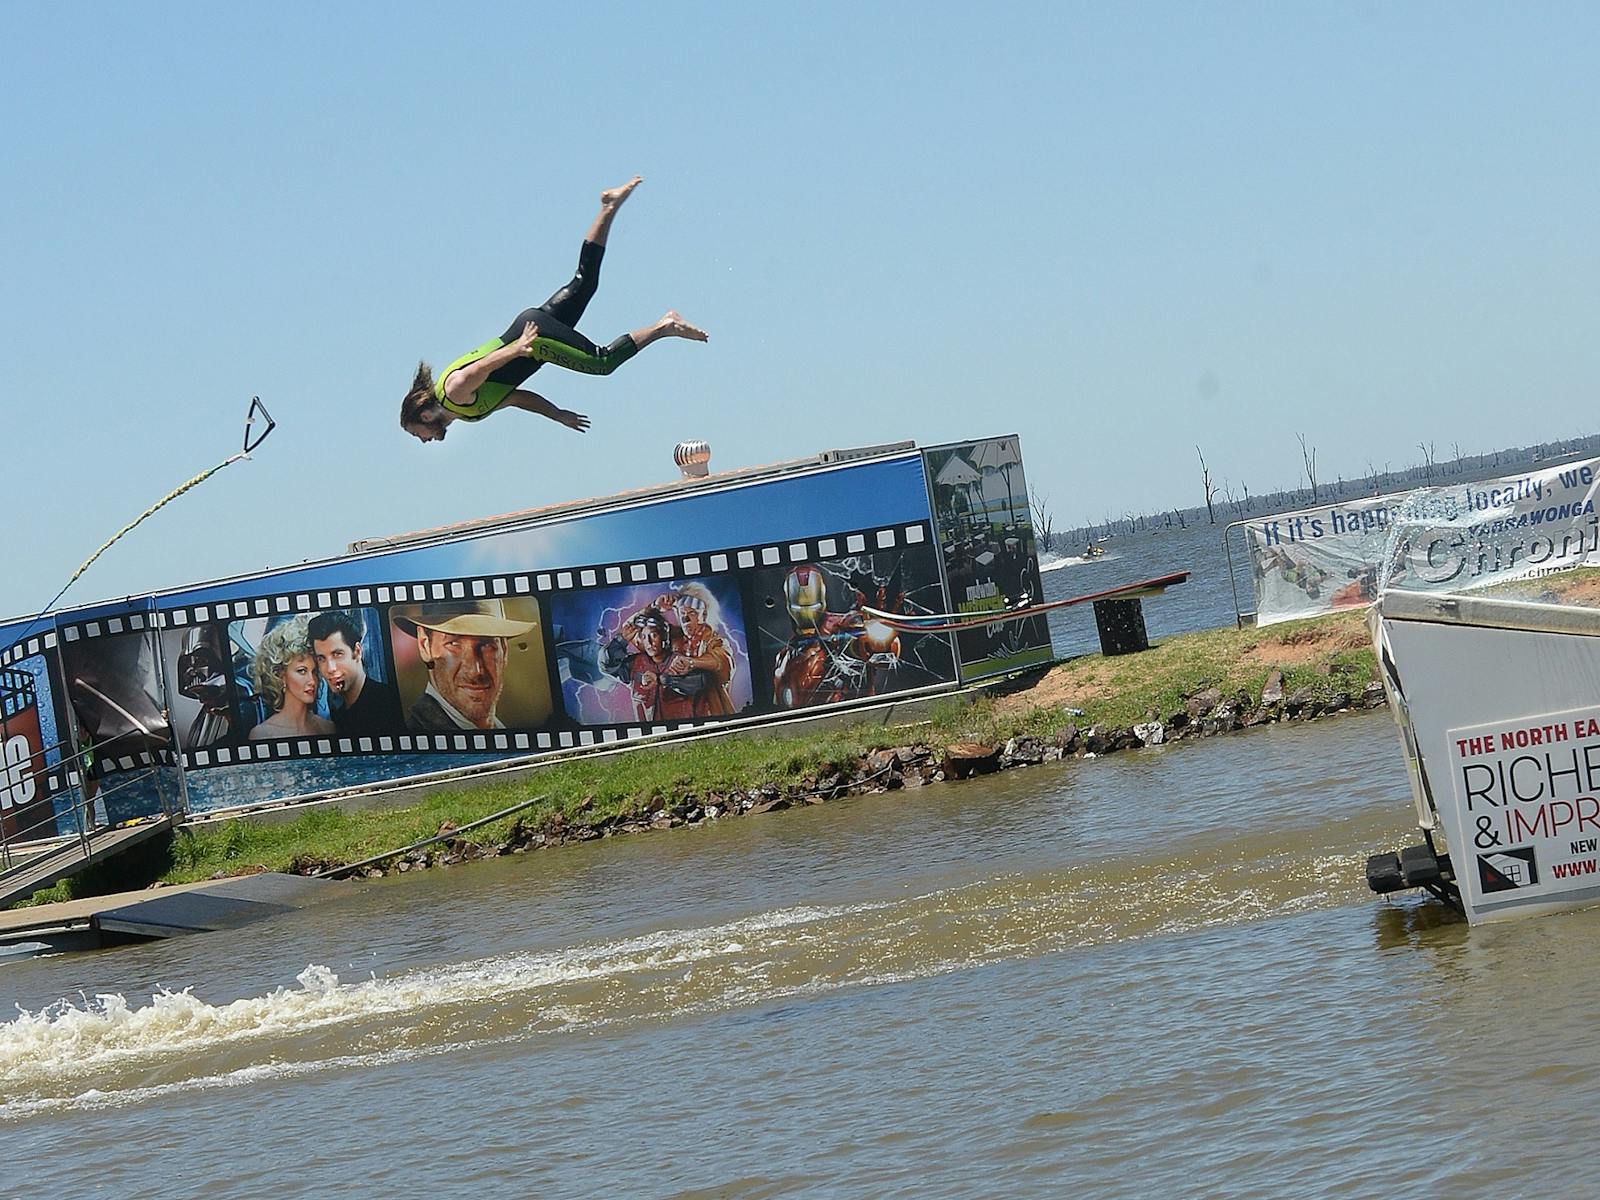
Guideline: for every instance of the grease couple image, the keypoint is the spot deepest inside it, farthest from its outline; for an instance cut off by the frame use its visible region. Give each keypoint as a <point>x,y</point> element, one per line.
<point>318,675</point>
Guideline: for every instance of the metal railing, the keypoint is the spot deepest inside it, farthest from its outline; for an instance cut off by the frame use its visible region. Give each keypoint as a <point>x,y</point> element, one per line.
<point>80,814</point>
<point>1233,580</point>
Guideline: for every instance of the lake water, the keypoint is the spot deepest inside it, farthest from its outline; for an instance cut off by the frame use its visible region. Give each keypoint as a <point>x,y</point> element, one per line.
<point>1157,974</point>
<point>1205,602</point>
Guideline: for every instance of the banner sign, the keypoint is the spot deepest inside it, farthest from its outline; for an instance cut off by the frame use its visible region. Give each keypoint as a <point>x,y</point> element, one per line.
<point>1474,535</point>
<point>1438,539</point>
<point>1526,813</point>
<point>1318,560</point>
<point>622,621</point>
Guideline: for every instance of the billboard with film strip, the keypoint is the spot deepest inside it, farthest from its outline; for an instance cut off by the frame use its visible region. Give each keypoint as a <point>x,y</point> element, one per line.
<point>589,625</point>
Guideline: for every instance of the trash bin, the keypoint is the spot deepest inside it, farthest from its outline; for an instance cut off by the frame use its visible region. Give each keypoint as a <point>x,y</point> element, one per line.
<point>1121,626</point>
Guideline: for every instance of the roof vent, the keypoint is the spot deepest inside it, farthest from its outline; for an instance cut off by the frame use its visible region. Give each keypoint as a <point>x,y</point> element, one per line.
<point>693,459</point>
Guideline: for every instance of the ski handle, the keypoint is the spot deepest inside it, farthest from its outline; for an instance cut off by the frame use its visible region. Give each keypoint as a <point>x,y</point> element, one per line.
<point>257,407</point>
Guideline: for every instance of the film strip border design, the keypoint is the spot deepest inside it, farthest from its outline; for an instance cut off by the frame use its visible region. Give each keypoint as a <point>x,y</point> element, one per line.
<point>63,777</point>
<point>60,777</point>
<point>38,644</point>
<point>532,583</point>
<point>107,761</point>
<point>468,741</point>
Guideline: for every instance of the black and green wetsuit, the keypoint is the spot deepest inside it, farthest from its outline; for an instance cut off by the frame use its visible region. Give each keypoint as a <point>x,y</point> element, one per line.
<point>558,342</point>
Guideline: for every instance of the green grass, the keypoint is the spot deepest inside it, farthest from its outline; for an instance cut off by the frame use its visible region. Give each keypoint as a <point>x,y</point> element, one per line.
<point>595,790</point>
<point>1336,650</point>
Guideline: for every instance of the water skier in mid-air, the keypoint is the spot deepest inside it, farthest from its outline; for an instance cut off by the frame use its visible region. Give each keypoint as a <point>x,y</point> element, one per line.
<point>489,378</point>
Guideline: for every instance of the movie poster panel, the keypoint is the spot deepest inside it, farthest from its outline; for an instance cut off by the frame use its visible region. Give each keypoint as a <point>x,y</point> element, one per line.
<point>114,687</point>
<point>353,664</point>
<point>27,728</point>
<point>302,675</point>
<point>991,562</point>
<point>650,652</point>
<point>471,665</point>
<point>199,669</point>
<point>814,645</point>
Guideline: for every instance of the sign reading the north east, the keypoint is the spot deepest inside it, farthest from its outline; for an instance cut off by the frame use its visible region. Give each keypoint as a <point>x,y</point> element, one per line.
<point>1527,808</point>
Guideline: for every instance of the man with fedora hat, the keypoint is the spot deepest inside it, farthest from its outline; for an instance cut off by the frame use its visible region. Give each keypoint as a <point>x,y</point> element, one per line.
<point>463,645</point>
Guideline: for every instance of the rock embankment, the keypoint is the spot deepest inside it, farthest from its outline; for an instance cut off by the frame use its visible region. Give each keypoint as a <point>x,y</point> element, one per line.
<point>1205,713</point>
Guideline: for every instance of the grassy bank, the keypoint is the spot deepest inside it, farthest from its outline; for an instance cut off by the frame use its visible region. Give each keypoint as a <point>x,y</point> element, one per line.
<point>1321,657</point>
<point>1086,705</point>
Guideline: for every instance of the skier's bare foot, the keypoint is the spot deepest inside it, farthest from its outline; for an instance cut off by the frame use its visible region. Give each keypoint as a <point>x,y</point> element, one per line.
<point>673,325</point>
<point>612,198</point>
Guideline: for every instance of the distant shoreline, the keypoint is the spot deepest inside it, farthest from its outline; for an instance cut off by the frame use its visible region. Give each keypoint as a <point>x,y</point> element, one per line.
<point>1468,468</point>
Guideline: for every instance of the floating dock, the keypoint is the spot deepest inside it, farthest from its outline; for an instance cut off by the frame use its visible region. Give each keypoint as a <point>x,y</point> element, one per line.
<point>159,912</point>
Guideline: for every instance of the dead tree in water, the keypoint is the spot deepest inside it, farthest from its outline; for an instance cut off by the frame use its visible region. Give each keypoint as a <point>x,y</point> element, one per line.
<point>1043,520</point>
<point>1227,494</point>
<point>1205,482</point>
<point>1309,457</point>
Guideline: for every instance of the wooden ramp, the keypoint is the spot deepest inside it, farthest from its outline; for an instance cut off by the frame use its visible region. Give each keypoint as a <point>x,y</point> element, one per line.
<point>67,859</point>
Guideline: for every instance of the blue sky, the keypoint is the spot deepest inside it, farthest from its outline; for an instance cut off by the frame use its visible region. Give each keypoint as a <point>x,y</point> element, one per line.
<point>1118,230</point>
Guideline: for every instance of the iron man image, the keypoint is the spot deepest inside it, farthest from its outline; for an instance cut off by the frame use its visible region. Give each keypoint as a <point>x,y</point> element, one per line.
<point>833,656</point>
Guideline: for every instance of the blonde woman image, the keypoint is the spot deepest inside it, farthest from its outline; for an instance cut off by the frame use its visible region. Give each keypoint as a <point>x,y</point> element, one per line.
<point>285,674</point>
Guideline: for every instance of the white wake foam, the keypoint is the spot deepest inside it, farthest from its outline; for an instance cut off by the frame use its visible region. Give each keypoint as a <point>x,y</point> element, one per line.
<point>1054,562</point>
<point>93,1036</point>
<point>103,1050</point>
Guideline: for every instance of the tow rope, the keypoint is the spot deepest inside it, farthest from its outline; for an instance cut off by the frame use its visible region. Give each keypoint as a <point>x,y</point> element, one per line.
<point>956,622</point>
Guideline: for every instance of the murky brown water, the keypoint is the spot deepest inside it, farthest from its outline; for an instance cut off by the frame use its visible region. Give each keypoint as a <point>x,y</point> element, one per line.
<point>1157,974</point>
